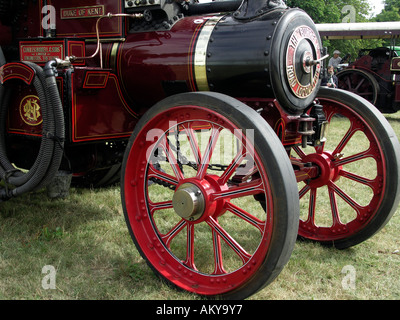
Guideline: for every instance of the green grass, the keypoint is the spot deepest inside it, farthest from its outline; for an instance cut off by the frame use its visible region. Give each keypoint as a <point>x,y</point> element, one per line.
<point>86,239</point>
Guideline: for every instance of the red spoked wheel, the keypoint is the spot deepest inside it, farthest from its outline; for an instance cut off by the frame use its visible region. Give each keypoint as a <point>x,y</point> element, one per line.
<point>357,189</point>
<point>209,195</point>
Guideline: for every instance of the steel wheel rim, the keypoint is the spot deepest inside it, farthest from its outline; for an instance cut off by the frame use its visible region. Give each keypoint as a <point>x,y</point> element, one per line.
<point>334,171</point>
<point>214,277</point>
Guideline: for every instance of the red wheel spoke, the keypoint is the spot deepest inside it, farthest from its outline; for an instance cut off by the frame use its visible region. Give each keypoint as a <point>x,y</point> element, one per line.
<point>190,247</point>
<point>159,206</point>
<point>260,225</point>
<point>230,170</point>
<point>244,256</point>
<point>329,113</point>
<point>193,143</point>
<point>246,189</point>
<point>334,207</point>
<point>218,263</point>
<point>311,208</point>
<point>171,159</point>
<point>357,178</point>
<point>154,173</point>
<point>215,131</point>
<point>349,86</point>
<point>346,138</point>
<point>359,84</point>
<point>304,191</point>
<point>353,158</point>
<point>345,197</point>
<point>167,238</point>
<point>299,152</point>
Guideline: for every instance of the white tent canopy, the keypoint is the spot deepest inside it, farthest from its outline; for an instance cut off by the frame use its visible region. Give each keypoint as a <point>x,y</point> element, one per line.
<point>359,30</point>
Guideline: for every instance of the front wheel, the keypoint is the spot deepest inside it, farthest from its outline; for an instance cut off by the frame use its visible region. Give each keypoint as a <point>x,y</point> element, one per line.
<point>357,190</point>
<point>209,195</point>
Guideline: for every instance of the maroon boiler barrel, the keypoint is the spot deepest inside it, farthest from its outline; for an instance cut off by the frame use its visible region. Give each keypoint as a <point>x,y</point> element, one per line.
<point>263,57</point>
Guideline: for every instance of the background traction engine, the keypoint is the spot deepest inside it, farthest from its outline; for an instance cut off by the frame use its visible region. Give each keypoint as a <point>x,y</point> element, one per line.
<point>375,77</point>
<point>212,116</point>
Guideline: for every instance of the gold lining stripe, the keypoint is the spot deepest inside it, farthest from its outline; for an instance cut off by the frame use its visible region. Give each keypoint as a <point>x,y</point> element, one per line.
<point>113,56</point>
<point>200,53</point>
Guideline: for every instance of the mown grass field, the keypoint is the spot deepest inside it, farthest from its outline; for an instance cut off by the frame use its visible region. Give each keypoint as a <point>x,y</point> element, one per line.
<point>85,239</point>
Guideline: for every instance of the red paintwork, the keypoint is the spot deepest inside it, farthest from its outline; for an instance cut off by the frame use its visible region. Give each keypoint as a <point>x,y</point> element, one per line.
<point>31,25</point>
<point>134,75</point>
<point>285,125</point>
<point>96,79</point>
<point>99,113</point>
<point>5,34</point>
<point>154,57</point>
<point>15,121</point>
<point>365,63</point>
<point>18,71</point>
<point>112,110</point>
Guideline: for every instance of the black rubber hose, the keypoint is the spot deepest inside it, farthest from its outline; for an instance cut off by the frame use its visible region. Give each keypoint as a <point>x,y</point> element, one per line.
<point>50,153</point>
<point>18,178</point>
<point>58,137</point>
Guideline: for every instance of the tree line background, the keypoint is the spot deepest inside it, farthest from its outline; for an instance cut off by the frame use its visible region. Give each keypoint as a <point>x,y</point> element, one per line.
<point>333,11</point>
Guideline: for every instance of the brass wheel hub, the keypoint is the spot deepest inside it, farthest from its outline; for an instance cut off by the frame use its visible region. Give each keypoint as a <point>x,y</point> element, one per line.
<point>188,202</point>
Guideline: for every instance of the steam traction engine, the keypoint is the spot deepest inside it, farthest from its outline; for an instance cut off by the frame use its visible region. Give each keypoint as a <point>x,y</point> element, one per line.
<point>212,116</point>
<point>375,77</point>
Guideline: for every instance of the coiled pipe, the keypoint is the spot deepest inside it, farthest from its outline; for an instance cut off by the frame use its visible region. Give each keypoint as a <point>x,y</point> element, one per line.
<point>51,149</point>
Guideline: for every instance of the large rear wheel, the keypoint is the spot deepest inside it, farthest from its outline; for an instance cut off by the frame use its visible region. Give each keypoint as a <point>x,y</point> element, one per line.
<point>209,195</point>
<point>357,189</point>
